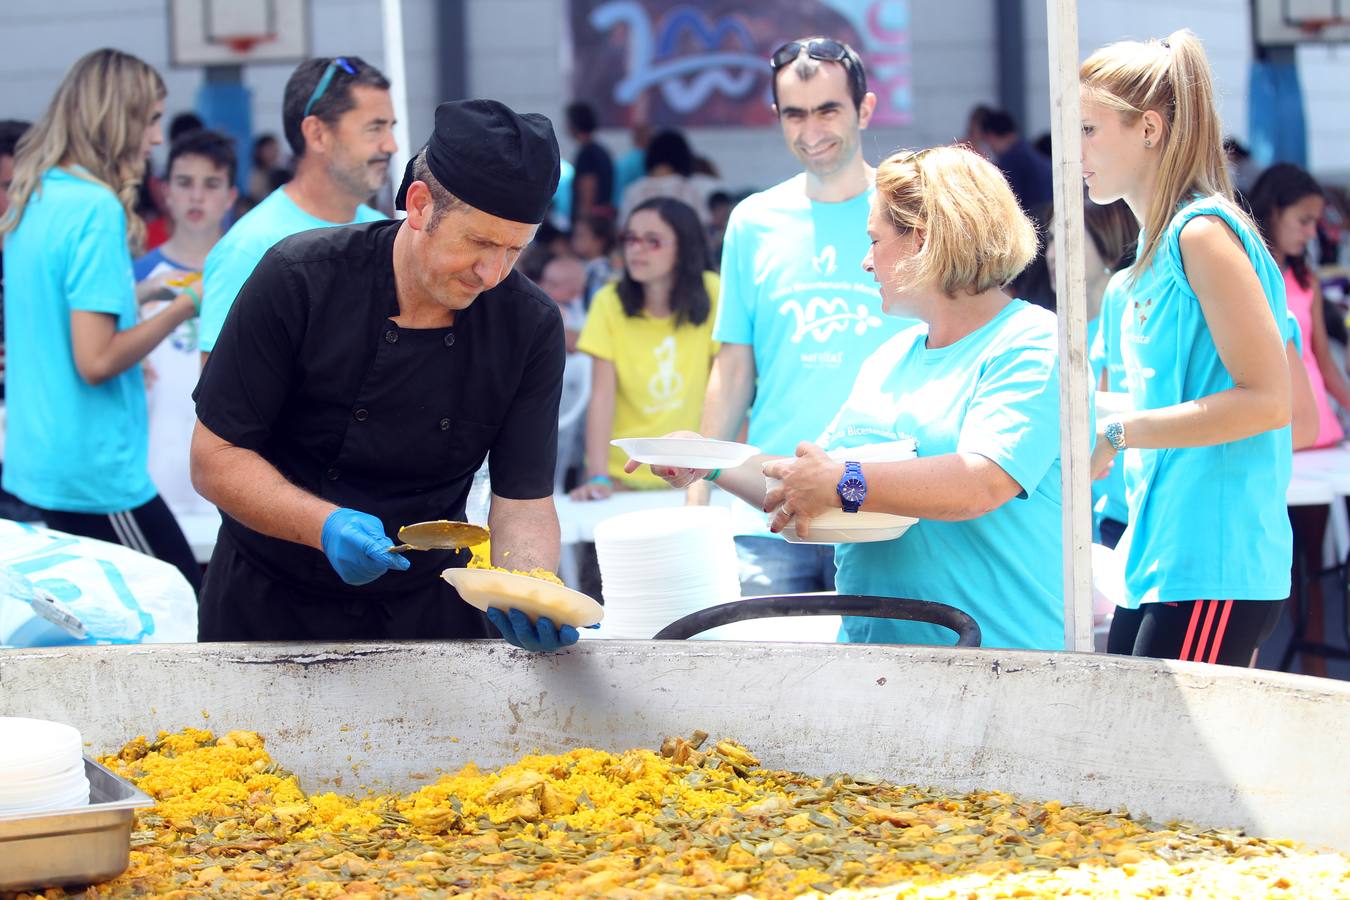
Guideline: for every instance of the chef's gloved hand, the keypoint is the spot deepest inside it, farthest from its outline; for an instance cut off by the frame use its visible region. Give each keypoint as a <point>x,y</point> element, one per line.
<point>357,547</point>
<point>541,636</point>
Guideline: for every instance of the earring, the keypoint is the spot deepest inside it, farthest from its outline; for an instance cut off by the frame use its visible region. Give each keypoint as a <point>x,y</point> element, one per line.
<point>1148,144</point>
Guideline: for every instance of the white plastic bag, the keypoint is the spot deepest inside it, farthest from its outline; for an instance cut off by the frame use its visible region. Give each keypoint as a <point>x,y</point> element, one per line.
<point>120,596</point>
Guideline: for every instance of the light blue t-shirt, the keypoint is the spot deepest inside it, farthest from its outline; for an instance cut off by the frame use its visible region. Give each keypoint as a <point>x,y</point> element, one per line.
<point>232,259</point>
<point>1209,522</point>
<point>71,446</point>
<point>793,287</point>
<point>994,393</point>
<point>1108,494</point>
<point>628,169</point>
<point>560,207</point>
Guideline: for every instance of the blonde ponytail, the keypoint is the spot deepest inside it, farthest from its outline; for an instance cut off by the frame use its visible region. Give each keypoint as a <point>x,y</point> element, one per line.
<point>1172,78</point>
<point>95,121</point>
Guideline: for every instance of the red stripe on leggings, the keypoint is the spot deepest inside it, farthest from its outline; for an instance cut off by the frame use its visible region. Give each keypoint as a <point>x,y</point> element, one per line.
<point>1223,624</point>
<point>1190,631</point>
<point>1210,608</point>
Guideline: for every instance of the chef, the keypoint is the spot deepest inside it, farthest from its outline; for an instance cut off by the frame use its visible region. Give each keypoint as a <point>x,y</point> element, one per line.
<point>361,378</point>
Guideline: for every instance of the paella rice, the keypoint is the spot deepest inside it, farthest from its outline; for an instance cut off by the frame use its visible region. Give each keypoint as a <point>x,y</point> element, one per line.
<point>694,818</point>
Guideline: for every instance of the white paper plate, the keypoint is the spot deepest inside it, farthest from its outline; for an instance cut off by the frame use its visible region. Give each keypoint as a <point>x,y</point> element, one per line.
<point>1112,403</point>
<point>824,535</point>
<point>834,526</point>
<point>687,453</point>
<point>485,588</point>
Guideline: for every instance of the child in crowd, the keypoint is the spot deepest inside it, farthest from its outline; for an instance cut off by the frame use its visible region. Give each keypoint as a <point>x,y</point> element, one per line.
<point>1203,346</point>
<point>199,193</point>
<point>593,242</point>
<point>77,442</point>
<point>651,339</point>
<point>564,279</point>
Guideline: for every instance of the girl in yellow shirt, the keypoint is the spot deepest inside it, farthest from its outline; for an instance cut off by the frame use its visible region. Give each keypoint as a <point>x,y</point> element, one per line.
<point>651,337</point>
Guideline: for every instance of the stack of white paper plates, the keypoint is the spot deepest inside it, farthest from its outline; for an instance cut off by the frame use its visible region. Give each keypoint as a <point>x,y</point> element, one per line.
<point>659,565</point>
<point>41,767</point>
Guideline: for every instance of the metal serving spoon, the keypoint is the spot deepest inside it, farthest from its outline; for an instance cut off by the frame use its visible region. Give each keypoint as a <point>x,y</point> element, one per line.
<point>440,535</point>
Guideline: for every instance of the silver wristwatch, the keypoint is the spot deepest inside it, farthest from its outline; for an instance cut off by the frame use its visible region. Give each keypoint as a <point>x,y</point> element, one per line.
<point>1115,433</point>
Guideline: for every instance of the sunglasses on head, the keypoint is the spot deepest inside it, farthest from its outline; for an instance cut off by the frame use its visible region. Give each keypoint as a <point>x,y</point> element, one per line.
<point>824,49</point>
<point>650,241</point>
<point>327,78</point>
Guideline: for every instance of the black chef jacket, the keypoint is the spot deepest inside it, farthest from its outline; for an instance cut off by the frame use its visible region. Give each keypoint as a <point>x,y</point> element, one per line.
<point>311,373</point>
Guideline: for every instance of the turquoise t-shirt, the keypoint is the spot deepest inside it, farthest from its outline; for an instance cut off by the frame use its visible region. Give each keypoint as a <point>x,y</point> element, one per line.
<point>1108,494</point>
<point>234,256</point>
<point>995,393</point>
<point>71,446</point>
<point>628,169</point>
<point>794,288</point>
<point>1208,522</point>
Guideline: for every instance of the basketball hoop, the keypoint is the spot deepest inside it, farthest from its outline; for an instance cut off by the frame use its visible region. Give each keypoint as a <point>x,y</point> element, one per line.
<point>243,44</point>
<point>238,32</point>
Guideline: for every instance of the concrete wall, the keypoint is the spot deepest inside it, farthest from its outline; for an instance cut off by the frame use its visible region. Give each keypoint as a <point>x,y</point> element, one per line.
<point>954,68</point>
<point>1223,25</point>
<point>1325,73</point>
<point>515,50</point>
<point>39,43</point>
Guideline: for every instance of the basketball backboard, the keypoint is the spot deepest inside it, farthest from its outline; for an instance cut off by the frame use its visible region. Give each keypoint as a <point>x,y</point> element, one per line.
<point>236,32</point>
<point>1283,23</point>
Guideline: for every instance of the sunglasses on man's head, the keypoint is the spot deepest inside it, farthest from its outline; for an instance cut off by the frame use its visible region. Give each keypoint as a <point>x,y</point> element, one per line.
<point>650,241</point>
<point>826,49</point>
<point>823,49</point>
<point>327,78</point>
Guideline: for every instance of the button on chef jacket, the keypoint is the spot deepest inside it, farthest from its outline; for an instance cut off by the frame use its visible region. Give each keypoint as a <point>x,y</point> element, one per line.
<point>311,372</point>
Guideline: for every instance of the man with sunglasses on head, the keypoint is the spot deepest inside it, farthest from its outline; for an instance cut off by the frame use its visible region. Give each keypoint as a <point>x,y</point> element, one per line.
<point>797,317</point>
<point>339,121</point>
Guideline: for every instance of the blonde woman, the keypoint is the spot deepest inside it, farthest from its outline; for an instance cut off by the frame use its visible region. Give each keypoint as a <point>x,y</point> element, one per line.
<point>1203,346</point>
<point>77,440</point>
<point>976,384</point>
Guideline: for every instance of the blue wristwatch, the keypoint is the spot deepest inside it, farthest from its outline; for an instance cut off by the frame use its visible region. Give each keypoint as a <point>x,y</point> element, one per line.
<point>852,487</point>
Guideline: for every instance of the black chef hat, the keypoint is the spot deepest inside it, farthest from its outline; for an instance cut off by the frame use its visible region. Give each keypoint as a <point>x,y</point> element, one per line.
<point>496,160</point>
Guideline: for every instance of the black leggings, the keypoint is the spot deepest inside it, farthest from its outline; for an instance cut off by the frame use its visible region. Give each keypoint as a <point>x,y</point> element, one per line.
<point>150,529</point>
<point>1226,632</point>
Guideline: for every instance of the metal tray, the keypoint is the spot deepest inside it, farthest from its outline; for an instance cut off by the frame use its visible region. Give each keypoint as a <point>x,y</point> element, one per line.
<point>72,847</point>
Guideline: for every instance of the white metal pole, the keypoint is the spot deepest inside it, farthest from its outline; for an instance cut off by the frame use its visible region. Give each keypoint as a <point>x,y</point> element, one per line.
<point>1070,287</point>
<point>396,69</point>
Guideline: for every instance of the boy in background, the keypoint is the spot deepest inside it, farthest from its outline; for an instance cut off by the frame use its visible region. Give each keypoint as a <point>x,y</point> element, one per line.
<point>199,193</point>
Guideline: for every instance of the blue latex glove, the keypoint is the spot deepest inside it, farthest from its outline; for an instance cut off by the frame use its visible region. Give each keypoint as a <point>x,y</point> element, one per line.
<point>540,636</point>
<point>357,547</point>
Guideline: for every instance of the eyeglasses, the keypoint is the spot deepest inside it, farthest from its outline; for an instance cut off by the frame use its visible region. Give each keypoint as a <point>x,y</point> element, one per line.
<point>826,50</point>
<point>339,62</point>
<point>650,241</point>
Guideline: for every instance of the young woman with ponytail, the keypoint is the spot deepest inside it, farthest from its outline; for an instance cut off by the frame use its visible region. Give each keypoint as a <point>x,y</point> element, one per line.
<point>77,441</point>
<point>1203,338</point>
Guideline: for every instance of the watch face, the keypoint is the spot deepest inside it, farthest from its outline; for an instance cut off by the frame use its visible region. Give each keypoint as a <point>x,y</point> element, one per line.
<point>853,490</point>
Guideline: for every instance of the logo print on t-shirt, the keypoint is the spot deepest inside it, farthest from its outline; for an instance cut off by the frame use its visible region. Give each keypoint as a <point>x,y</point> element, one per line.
<point>1142,311</point>
<point>822,319</point>
<point>826,262</point>
<point>666,386</point>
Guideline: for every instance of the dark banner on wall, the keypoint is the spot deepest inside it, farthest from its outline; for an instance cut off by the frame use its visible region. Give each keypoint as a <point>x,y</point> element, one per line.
<point>706,64</point>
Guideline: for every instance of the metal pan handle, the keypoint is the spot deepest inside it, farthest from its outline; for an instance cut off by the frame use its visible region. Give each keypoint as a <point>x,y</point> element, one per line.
<point>966,629</point>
